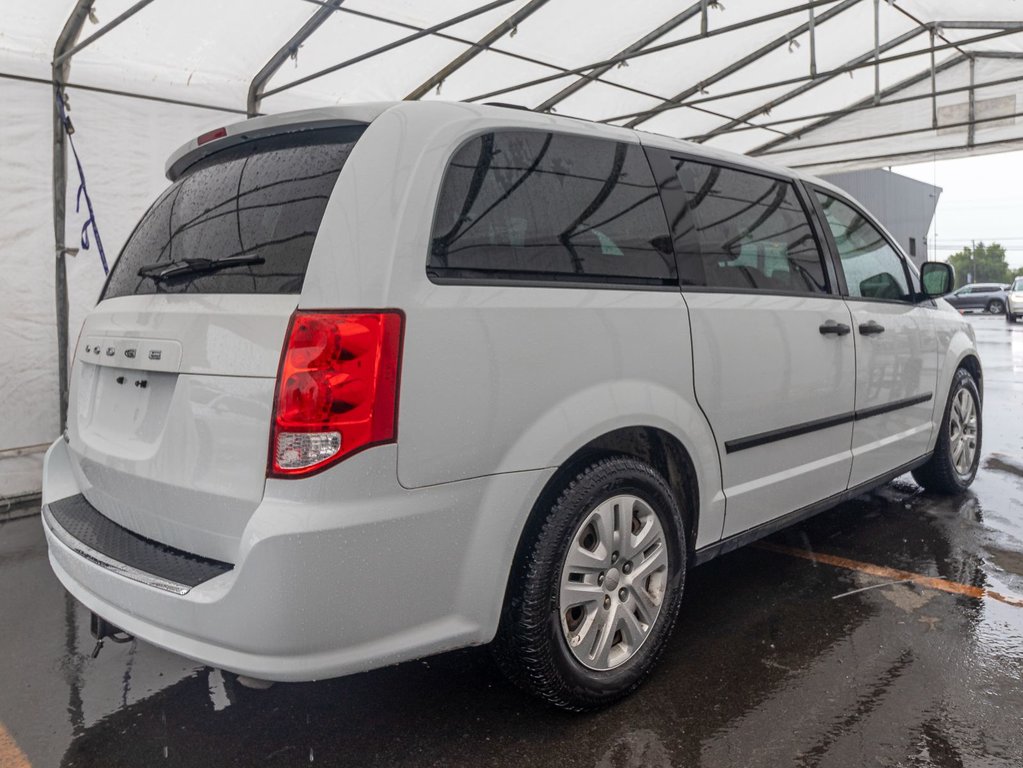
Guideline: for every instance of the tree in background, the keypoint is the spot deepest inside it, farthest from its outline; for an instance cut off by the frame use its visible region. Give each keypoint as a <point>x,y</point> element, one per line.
<point>985,263</point>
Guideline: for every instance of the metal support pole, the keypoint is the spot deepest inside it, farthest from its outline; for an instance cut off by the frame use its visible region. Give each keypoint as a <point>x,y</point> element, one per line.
<point>506,26</point>
<point>975,24</point>
<point>972,128</point>
<point>391,46</point>
<point>703,17</point>
<point>617,59</point>
<point>290,48</point>
<point>877,51</point>
<point>739,64</point>
<point>817,80</point>
<point>813,44</point>
<point>106,28</point>
<point>934,86</point>
<point>864,103</point>
<point>651,37</point>
<point>845,111</point>
<point>60,71</point>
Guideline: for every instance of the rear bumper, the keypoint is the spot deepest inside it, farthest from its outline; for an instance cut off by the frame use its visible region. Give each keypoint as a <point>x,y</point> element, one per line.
<point>340,573</point>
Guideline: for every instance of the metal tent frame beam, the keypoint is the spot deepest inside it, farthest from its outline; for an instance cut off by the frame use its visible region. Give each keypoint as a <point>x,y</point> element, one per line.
<point>969,124</point>
<point>850,110</point>
<point>290,48</point>
<point>1008,144</point>
<point>583,70</point>
<point>421,31</point>
<point>766,107</point>
<point>839,70</point>
<point>390,46</point>
<point>481,45</point>
<point>63,51</point>
<point>868,101</point>
<point>67,54</point>
<point>61,68</point>
<point>651,37</point>
<point>742,63</point>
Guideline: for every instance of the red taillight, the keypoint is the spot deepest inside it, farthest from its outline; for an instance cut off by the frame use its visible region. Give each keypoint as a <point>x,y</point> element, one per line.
<point>337,389</point>
<point>216,133</point>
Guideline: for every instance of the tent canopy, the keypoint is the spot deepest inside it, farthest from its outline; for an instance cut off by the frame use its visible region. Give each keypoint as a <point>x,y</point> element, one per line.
<point>820,84</point>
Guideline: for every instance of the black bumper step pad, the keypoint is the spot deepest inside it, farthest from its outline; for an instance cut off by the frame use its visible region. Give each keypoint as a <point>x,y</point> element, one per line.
<point>86,524</point>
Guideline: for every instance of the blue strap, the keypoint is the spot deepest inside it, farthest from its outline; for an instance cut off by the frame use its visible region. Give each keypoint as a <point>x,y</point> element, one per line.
<point>90,223</point>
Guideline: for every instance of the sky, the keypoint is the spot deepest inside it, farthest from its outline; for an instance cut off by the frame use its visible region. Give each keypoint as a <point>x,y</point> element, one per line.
<point>981,199</point>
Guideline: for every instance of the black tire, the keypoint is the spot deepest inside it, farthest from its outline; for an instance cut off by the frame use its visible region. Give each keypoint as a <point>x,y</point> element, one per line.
<point>939,474</point>
<point>995,307</point>
<point>1010,318</point>
<point>530,646</point>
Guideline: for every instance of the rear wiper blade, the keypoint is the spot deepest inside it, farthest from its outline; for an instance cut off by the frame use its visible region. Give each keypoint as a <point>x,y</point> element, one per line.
<point>164,270</point>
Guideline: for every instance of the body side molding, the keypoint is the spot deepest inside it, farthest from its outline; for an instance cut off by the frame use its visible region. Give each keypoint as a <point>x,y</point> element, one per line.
<point>762,438</point>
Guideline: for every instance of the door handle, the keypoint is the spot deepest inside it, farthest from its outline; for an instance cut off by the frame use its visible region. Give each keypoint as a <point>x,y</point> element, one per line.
<point>871,328</point>
<point>830,327</point>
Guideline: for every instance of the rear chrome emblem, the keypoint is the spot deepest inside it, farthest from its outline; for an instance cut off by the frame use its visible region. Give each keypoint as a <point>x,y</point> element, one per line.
<point>110,351</point>
<point>154,354</point>
<point>129,353</point>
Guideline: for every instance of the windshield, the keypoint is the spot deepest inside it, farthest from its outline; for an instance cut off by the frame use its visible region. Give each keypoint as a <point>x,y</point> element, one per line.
<point>1017,284</point>
<point>257,204</point>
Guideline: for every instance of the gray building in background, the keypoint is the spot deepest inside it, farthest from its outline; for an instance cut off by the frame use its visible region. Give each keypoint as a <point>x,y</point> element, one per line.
<point>905,206</point>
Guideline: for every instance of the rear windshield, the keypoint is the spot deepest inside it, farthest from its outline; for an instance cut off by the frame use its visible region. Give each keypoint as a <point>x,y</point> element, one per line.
<point>260,202</point>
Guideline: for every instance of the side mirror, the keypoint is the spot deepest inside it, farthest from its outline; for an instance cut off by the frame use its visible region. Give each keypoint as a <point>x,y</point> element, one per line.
<point>937,278</point>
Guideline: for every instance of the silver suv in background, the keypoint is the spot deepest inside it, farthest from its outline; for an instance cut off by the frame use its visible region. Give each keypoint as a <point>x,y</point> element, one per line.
<point>985,297</point>
<point>374,382</point>
<point>1014,301</point>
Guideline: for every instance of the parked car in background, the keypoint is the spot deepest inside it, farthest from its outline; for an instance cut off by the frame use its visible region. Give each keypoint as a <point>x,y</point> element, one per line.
<point>374,382</point>
<point>1014,301</point>
<point>986,297</point>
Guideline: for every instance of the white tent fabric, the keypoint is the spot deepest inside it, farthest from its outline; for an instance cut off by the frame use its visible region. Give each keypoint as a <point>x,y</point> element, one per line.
<point>819,84</point>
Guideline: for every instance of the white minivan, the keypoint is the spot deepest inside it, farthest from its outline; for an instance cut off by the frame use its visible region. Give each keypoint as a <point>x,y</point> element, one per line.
<point>374,382</point>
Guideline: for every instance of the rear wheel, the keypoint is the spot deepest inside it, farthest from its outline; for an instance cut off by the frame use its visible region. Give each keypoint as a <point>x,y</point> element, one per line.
<point>995,307</point>
<point>597,589</point>
<point>953,465</point>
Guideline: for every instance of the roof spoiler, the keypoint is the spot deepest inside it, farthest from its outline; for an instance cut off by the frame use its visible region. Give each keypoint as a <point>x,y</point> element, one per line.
<point>269,125</point>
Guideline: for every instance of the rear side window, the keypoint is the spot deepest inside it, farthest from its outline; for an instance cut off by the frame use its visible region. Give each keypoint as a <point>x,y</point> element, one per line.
<point>263,199</point>
<point>532,205</point>
<point>741,230</point>
<point>872,267</point>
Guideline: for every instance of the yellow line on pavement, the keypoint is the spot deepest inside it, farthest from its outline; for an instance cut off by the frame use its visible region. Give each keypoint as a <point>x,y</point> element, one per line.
<point>893,574</point>
<point>11,755</point>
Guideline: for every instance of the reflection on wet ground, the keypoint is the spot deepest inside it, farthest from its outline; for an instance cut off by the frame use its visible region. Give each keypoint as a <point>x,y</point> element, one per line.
<point>777,660</point>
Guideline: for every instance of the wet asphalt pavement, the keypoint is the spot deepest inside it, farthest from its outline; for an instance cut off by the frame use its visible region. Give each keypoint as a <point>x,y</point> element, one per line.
<point>766,668</point>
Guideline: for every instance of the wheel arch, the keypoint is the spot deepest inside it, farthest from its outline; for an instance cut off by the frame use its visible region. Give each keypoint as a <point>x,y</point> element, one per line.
<point>971,363</point>
<point>959,353</point>
<point>655,446</point>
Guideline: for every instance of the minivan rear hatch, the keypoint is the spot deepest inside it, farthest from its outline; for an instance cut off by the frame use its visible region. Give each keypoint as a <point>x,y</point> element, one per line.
<point>173,382</point>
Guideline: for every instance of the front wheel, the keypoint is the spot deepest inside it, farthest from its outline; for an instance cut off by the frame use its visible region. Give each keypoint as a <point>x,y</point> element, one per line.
<point>995,307</point>
<point>953,465</point>
<point>597,588</point>
<point>1010,317</point>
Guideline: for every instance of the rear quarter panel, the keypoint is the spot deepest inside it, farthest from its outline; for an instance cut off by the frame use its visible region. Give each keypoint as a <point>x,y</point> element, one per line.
<point>511,379</point>
<point>498,378</point>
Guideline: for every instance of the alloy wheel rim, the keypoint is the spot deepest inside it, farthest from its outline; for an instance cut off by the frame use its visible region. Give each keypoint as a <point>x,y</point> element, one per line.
<point>613,582</point>
<point>962,432</point>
